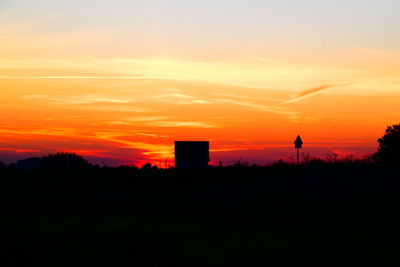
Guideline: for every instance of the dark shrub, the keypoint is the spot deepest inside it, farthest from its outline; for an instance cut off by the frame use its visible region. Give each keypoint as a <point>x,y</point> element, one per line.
<point>64,161</point>
<point>30,164</point>
<point>2,165</point>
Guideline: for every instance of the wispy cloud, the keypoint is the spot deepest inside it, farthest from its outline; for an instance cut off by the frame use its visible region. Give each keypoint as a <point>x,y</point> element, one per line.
<point>80,99</point>
<point>18,150</point>
<point>164,122</point>
<point>310,92</point>
<point>180,99</point>
<point>263,108</point>
<point>228,73</point>
<point>71,77</point>
<point>149,118</point>
<point>183,124</point>
<point>63,132</point>
<point>153,135</point>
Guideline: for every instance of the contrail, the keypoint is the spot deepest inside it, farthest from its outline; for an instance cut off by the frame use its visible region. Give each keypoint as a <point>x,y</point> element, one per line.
<point>311,92</point>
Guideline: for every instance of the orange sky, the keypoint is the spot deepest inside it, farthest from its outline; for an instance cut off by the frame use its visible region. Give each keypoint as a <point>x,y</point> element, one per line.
<point>90,91</point>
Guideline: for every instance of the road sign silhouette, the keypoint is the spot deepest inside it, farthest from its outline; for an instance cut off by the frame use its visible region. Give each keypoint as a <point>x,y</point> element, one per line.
<point>298,144</point>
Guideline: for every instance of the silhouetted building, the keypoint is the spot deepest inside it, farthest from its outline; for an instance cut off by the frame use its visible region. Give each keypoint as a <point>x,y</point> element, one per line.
<point>192,154</point>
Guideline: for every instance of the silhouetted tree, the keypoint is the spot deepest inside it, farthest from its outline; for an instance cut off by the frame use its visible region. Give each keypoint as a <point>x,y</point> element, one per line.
<point>64,161</point>
<point>389,146</point>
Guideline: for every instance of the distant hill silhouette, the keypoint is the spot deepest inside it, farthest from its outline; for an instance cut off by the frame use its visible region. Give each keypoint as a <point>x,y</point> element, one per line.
<point>29,164</point>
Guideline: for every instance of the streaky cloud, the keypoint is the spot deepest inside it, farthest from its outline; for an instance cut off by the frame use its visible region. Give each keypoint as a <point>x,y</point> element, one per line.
<point>311,92</point>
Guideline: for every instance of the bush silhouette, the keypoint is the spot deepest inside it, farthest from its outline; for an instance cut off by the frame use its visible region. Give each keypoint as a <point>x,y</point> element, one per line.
<point>2,165</point>
<point>64,161</point>
<point>389,146</point>
<point>29,164</point>
<point>146,166</point>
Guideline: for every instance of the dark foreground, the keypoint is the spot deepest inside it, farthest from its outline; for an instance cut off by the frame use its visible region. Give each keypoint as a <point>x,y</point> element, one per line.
<point>325,215</point>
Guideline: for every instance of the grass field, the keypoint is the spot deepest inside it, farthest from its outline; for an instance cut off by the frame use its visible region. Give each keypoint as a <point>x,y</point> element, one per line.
<point>326,215</point>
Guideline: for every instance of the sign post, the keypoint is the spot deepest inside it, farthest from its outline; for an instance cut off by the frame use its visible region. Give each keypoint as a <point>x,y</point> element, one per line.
<point>298,144</point>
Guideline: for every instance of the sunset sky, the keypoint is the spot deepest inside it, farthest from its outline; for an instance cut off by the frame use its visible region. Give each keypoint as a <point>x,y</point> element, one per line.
<point>118,81</point>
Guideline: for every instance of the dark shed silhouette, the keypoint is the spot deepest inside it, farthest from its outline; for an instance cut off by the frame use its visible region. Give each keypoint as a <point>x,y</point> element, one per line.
<point>192,154</point>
